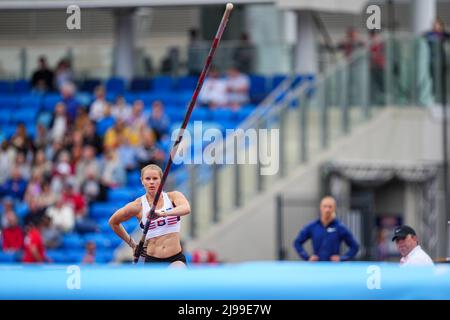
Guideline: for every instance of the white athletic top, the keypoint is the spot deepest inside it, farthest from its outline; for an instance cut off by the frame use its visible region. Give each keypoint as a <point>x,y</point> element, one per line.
<point>416,257</point>
<point>162,225</point>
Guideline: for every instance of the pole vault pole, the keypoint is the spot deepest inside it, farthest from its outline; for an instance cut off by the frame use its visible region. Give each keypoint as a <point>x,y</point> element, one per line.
<point>173,152</point>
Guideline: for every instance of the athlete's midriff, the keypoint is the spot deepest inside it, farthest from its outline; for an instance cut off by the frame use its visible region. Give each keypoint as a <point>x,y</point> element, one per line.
<point>164,246</point>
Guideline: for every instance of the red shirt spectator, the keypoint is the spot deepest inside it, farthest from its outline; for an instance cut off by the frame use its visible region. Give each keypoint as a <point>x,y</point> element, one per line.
<point>33,245</point>
<point>75,199</point>
<point>12,234</point>
<point>12,238</point>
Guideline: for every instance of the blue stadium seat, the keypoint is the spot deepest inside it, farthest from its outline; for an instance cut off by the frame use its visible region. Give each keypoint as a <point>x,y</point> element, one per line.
<point>175,113</point>
<point>116,85</point>
<point>89,85</point>
<point>129,225</point>
<point>222,114</point>
<point>8,102</point>
<point>5,118</point>
<point>187,83</point>
<point>121,194</point>
<point>200,114</point>
<point>182,98</point>
<point>101,240</point>
<point>244,112</point>
<point>58,255</point>
<point>258,88</point>
<point>131,97</point>
<point>103,210</point>
<point>21,209</point>
<point>104,226</point>
<point>21,86</point>
<point>50,101</point>
<point>277,80</point>
<point>30,101</point>
<point>5,86</point>
<point>134,178</point>
<point>163,83</point>
<point>7,257</point>
<point>103,125</point>
<point>9,130</point>
<point>75,255</point>
<point>84,98</point>
<point>140,84</point>
<point>149,97</point>
<point>104,256</point>
<point>28,116</point>
<point>44,117</point>
<point>73,241</point>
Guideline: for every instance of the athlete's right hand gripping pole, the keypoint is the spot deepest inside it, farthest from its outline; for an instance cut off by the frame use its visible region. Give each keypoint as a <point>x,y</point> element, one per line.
<point>173,152</point>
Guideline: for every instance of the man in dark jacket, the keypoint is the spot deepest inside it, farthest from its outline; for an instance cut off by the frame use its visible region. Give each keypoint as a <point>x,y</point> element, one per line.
<point>326,234</point>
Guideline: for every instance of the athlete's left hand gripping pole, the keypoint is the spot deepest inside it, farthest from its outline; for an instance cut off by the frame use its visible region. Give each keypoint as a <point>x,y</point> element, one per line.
<point>173,152</point>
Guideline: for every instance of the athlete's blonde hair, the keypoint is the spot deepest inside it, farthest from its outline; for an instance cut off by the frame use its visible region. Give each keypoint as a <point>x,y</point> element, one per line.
<point>152,167</point>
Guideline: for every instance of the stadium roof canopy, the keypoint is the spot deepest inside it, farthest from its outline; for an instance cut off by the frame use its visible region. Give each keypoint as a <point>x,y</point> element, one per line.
<point>349,6</point>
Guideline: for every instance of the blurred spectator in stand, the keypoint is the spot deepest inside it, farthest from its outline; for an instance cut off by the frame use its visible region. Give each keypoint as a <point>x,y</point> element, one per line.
<point>171,62</point>
<point>7,157</point>
<point>63,73</point>
<point>349,46</point>
<point>118,133</point>
<point>77,140</point>
<point>62,171</point>
<point>127,154</point>
<point>214,91</point>
<point>238,86</point>
<point>23,165</point>
<point>14,186</point>
<point>35,210</point>
<point>76,200</point>
<point>121,109</point>
<point>42,78</point>
<point>138,118</point>
<point>68,91</point>
<point>89,256</point>
<point>34,248</point>
<point>148,152</point>
<point>197,52</point>
<point>77,152</point>
<point>87,163</point>
<point>53,151</point>
<point>201,256</point>
<point>90,137</point>
<point>158,121</point>
<point>21,141</point>
<point>351,42</point>
<point>62,215</point>
<point>435,37</point>
<point>377,64</point>
<point>245,54</point>
<point>34,187</point>
<point>59,123</point>
<point>90,188</point>
<point>12,234</point>
<point>41,138</point>
<point>7,206</point>
<point>99,106</point>
<point>47,197</point>
<point>82,119</point>
<point>113,173</point>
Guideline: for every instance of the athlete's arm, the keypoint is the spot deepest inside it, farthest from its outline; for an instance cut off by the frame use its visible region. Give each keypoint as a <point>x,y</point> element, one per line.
<point>181,205</point>
<point>125,213</point>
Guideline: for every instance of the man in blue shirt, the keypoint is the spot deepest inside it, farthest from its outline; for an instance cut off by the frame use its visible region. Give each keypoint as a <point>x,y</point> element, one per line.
<point>326,234</point>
